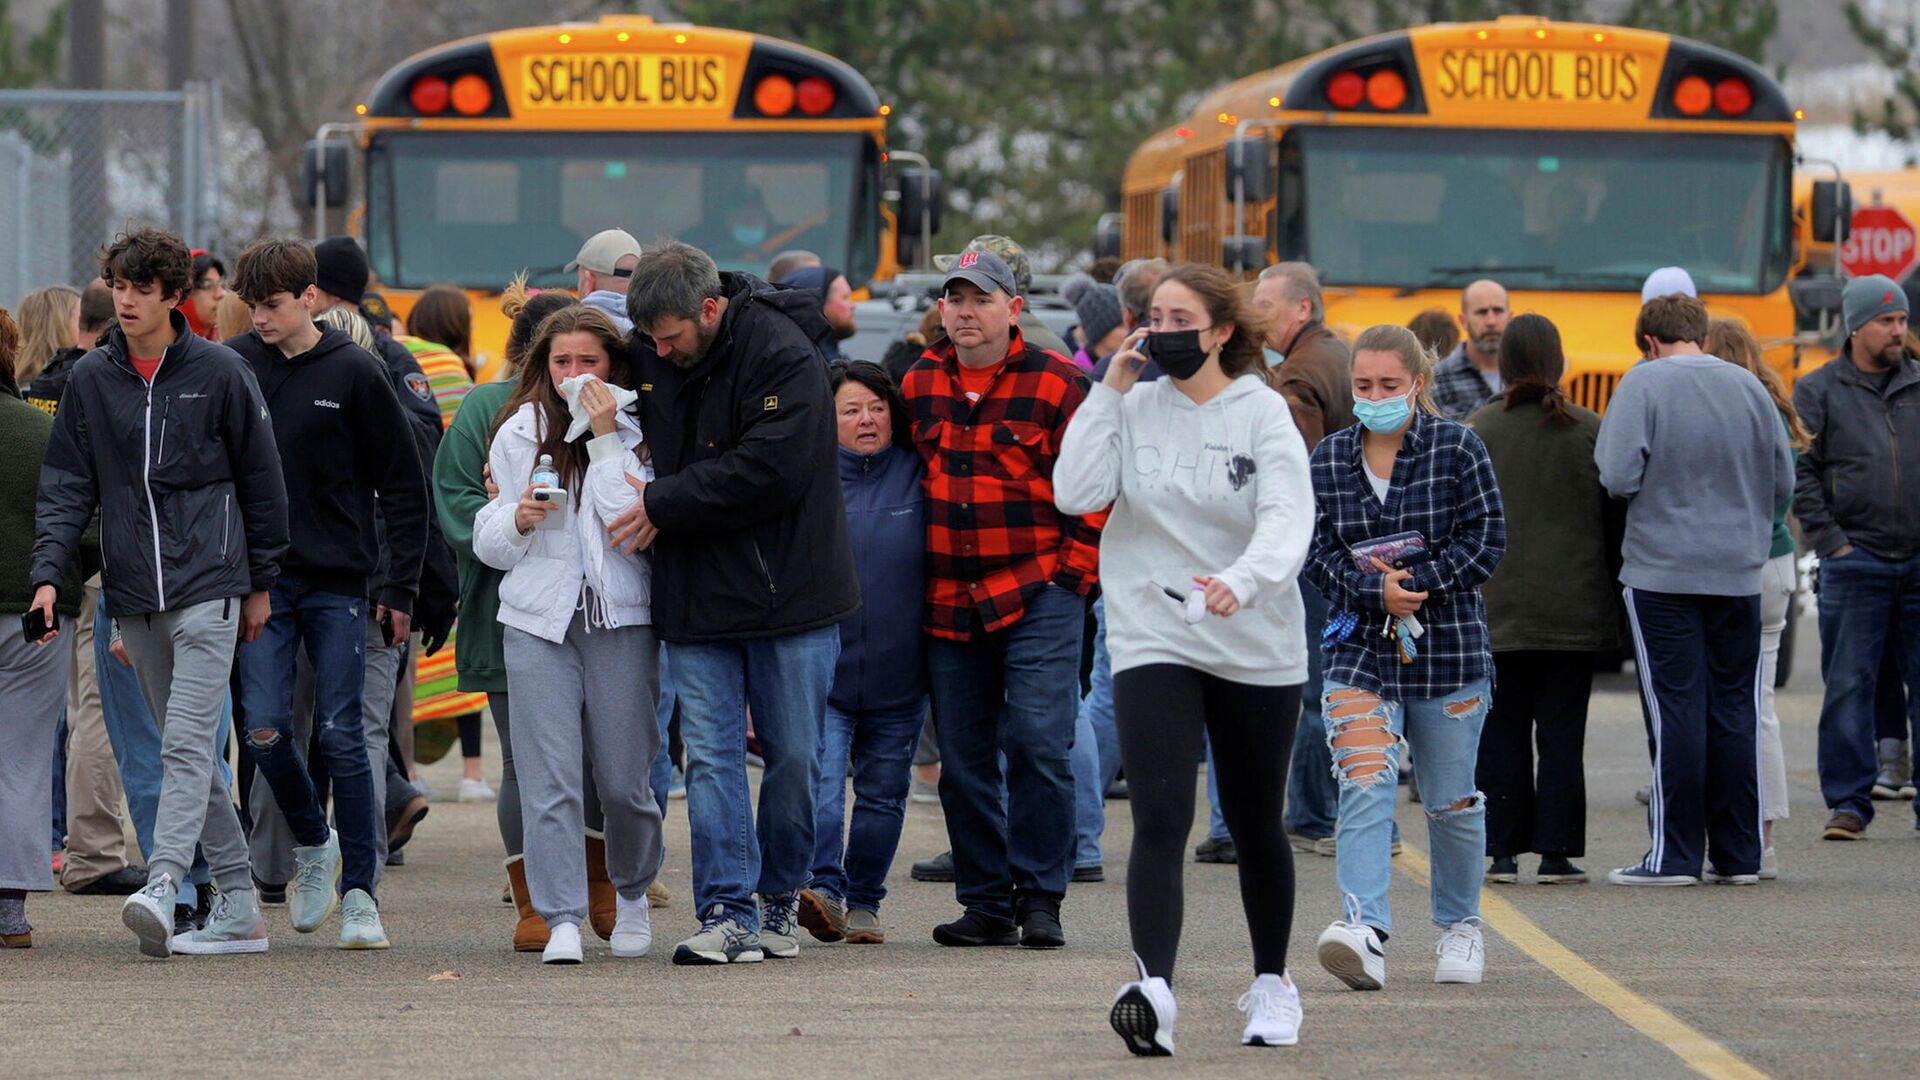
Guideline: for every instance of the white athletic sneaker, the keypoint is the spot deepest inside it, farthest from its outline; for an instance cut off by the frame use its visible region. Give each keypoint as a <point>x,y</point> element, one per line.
<point>632,927</point>
<point>1714,877</point>
<point>1272,1006</point>
<point>563,945</point>
<point>1143,1013</point>
<point>477,791</point>
<point>1352,952</point>
<point>1769,865</point>
<point>1463,955</point>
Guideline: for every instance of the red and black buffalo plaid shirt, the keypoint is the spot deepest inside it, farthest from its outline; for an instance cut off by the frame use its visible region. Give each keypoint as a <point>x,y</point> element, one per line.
<point>994,537</point>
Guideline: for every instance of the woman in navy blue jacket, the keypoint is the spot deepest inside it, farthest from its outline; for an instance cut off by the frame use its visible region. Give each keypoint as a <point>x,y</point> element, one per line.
<point>879,687</point>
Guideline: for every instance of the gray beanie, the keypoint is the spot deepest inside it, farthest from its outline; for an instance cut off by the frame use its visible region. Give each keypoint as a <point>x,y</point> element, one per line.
<point>1867,298</point>
<point>1098,307</point>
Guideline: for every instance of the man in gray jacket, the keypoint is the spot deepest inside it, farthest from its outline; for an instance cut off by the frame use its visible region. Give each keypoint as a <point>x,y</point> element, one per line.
<point>1858,500</point>
<point>1698,450</point>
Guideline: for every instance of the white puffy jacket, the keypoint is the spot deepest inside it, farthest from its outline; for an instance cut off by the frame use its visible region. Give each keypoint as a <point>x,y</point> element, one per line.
<point>547,568</point>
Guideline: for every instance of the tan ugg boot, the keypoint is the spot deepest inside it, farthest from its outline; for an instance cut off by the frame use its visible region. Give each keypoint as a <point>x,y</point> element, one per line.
<point>601,895</point>
<point>530,933</point>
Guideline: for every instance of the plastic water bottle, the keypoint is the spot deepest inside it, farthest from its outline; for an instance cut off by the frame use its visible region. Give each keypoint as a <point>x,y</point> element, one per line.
<point>544,474</point>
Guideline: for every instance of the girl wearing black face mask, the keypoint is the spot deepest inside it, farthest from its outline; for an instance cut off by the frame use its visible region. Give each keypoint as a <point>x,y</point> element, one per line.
<point>1212,514</point>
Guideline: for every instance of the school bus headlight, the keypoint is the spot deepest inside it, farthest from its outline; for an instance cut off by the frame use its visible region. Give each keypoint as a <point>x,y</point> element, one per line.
<point>1346,89</point>
<point>429,95</point>
<point>773,96</point>
<point>1692,96</point>
<point>1733,96</point>
<point>471,95</point>
<point>815,96</point>
<point>1386,90</point>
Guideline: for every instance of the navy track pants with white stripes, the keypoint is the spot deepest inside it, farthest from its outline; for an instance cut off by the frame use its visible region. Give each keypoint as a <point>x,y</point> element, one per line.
<point>1699,664</point>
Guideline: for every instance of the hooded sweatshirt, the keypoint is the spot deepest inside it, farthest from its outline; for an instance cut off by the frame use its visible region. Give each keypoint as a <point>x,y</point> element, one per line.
<point>1217,490</point>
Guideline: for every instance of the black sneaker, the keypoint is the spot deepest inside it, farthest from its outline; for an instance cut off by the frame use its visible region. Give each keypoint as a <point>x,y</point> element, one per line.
<point>1090,873</point>
<point>122,882</point>
<point>1039,919</point>
<point>405,810</point>
<point>183,921</point>
<point>977,928</point>
<point>1216,849</point>
<point>1504,870</point>
<point>396,858</point>
<point>1559,870</point>
<point>269,892</point>
<point>938,868</point>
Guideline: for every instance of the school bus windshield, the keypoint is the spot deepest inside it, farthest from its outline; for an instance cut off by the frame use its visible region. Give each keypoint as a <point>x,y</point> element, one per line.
<point>1540,209</point>
<point>474,208</point>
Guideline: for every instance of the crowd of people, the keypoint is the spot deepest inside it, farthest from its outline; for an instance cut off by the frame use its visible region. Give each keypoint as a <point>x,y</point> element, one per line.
<point>684,539</point>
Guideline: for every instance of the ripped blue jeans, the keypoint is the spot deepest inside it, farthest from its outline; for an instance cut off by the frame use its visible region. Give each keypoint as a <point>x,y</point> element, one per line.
<point>1363,731</point>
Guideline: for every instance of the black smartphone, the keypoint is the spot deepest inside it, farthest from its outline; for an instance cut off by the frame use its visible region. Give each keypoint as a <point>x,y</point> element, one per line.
<point>34,625</point>
<point>386,628</point>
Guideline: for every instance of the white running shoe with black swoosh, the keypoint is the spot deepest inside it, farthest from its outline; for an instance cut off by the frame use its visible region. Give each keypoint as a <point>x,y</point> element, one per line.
<point>1352,952</point>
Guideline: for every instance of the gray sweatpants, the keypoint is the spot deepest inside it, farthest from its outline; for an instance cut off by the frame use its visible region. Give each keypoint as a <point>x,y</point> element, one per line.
<point>183,660</point>
<point>512,833</point>
<point>33,687</point>
<point>272,840</point>
<point>592,694</point>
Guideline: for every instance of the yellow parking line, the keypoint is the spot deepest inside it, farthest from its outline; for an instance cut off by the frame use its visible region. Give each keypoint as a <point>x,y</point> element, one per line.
<point>1700,1053</point>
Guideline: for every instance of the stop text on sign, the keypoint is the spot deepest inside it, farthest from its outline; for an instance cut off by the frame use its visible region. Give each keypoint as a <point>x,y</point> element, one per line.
<point>1492,75</point>
<point>1880,241</point>
<point>587,81</point>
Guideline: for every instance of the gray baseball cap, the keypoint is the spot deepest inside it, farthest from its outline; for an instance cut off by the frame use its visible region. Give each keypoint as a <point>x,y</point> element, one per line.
<point>982,269</point>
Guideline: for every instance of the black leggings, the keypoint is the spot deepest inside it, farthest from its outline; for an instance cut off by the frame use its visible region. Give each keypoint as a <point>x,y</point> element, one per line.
<point>1162,711</point>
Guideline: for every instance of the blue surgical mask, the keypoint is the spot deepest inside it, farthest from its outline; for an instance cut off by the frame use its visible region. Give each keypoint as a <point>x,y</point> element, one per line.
<point>1385,416</point>
<point>750,235</point>
<point>1274,356</point>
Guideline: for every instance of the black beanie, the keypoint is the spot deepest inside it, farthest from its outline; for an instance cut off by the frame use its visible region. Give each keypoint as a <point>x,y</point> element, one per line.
<point>343,268</point>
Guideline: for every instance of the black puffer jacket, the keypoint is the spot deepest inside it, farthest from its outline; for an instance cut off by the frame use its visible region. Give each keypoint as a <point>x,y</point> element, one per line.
<point>753,537</point>
<point>184,472</point>
<point>45,390</point>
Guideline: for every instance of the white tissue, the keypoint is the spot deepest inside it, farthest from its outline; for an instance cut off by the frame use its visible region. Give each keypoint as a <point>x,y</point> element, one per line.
<point>570,389</point>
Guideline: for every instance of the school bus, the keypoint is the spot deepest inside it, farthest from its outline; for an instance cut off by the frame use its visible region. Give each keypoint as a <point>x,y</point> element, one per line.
<point>1565,161</point>
<point>505,151</point>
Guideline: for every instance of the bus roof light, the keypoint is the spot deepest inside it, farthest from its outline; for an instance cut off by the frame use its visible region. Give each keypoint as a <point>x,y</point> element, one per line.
<point>774,96</point>
<point>1733,96</point>
<point>1692,96</point>
<point>471,95</point>
<point>1386,90</point>
<point>815,95</point>
<point>429,95</point>
<point>1345,90</point>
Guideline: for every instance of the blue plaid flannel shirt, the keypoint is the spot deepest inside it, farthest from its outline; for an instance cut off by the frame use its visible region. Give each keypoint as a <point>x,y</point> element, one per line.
<point>1458,387</point>
<point>1444,488</point>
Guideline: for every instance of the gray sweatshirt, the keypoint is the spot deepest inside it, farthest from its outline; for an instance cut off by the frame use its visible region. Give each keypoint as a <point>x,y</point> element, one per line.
<point>1696,446</point>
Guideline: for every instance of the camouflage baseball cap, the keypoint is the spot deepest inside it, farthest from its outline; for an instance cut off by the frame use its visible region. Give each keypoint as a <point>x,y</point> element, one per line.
<point>1012,253</point>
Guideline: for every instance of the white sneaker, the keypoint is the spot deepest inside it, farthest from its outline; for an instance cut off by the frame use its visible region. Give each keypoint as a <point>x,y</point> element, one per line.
<point>632,927</point>
<point>563,945</point>
<point>477,790</point>
<point>1769,865</point>
<point>1463,955</point>
<point>1352,952</point>
<point>1714,877</point>
<point>1272,1006</point>
<point>1143,1013</point>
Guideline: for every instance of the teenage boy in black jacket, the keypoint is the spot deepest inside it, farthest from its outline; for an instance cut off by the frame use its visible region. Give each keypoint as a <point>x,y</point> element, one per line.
<point>343,437</point>
<point>166,435</point>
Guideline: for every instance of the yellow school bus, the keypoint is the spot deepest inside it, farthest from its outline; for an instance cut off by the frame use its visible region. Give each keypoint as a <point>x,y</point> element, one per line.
<point>506,150</point>
<point>1565,161</point>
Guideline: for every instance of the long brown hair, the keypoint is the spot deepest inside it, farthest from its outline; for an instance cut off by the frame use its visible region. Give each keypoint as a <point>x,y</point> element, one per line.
<point>1220,293</point>
<point>1415,357</point>
<point>9,345</point>
<point>444,316</point>
<point>45,328</point>
<point>1730,340</point>
<point>535,385</point>
<point>1531,364</point>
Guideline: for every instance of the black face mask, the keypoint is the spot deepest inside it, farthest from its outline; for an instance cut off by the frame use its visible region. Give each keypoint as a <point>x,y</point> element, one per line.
<point>1178,352</point>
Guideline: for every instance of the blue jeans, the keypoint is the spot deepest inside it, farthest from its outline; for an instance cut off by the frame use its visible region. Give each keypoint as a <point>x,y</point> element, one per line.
<point>135,738</point>
<point>1011,691</point>
<point>59,821</point>
<point>880,746</point>
<point>1096,750</point>
<point>1313,797</point>
<point>785,680</point>
<point>661,778</point>
<point>1866,602</point>
<point>1363,733</point>
<point>333,627</point>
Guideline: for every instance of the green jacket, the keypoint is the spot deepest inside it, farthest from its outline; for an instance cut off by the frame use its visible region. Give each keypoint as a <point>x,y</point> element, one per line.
<point>24,431</point>
<point>459,491</point>
<point>1557,589</point>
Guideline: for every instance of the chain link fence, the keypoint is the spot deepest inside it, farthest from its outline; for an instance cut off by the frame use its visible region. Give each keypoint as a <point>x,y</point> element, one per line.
<point>77,166</point>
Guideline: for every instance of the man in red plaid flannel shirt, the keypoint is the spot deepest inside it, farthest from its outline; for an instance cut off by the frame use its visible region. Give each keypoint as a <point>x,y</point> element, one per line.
<point>1007,579</point>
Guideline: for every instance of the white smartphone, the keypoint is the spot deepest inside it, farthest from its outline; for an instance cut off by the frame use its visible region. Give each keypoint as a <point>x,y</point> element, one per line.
<point>556,500</point>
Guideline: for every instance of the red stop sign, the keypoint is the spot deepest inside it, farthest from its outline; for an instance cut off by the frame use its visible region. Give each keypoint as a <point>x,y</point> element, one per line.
<point>1881,241</point>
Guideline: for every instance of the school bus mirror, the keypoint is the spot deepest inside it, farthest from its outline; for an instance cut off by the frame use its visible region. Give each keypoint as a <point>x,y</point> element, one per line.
<point>1244,253</point>
<point>1169,213</point>
<point>1250,172</point>
<point>922,199</point>
<point>1831,204</point>
<point>1106,236</point>
<point>323,173</point>
<point>1816,297</point>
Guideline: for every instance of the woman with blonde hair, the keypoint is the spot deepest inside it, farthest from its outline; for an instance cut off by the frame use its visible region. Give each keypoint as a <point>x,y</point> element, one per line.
<point>1731,341</point>
<point>233,318</point>
<point>49,325</point>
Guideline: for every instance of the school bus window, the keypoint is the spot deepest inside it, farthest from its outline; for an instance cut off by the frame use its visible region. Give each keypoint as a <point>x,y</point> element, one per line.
<point>476,193</point>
